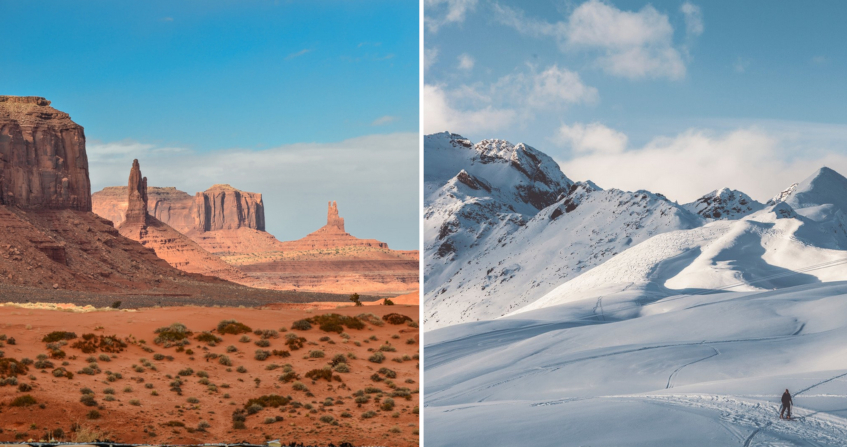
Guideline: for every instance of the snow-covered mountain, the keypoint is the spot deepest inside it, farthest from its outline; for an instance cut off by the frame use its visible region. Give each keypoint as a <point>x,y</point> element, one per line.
<point>508,226</point>
<point>723,204</point>
<point>490,250</point>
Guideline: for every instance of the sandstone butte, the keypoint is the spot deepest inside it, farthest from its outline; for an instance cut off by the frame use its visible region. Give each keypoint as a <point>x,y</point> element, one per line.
<point>230,223</point>
<point>169,244</point>
<point>49,238</point>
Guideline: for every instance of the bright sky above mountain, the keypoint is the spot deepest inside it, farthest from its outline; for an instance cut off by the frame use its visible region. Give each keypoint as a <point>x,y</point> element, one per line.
<point>318,99</point>
<point>643,95</point>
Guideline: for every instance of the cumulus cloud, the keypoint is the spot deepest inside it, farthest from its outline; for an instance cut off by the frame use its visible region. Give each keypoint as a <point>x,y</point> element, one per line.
<point>466,62</point>
<point>628,44</point>
<point>442,12</point>
<point>693,19</point>
<point>476,108</point>
<point>594,138</point>
<point>430,56</point>
<point>440,114</point>
<point>684,167</point>
<point>373,178</point>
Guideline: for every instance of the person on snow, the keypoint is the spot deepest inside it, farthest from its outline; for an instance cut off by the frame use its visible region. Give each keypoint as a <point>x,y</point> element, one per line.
<point>786,405</point>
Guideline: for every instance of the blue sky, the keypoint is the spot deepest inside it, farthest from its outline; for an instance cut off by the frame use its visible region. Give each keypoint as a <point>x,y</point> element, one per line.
<point>204,78</point>
<point>748,95</point>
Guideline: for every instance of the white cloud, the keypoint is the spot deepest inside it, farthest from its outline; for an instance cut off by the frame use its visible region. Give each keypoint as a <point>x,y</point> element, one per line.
<point>740,65</point>
<point>441,115</point>
<point>591,138</point>
<point>466,62</point>
<point>476,108</point>
<point>430,56</point>
<point>442,12</point>
<point>373,178</point>
<point>693,19</point>
<point>298,54</point>
<point>384,120</point>
<point>684,167</point>
<point>633,45</point>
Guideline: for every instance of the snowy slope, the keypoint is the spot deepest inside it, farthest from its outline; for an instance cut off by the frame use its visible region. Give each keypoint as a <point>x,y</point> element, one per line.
<point>495,241</point>
<point>694,370</point>
<point>724,204</point>
<point>779,246</point>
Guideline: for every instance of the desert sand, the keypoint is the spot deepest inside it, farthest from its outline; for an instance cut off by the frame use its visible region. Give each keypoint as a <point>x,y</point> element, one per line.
<point>142,406</point>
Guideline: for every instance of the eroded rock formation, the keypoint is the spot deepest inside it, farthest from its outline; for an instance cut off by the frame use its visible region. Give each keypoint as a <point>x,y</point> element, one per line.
<point>43,164</point>
<point>169,244</point>
<point>223,207</point>
<point>331,235</point>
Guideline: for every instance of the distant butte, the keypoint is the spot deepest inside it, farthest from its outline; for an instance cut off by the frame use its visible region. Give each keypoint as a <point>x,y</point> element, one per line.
<point>331,235</point>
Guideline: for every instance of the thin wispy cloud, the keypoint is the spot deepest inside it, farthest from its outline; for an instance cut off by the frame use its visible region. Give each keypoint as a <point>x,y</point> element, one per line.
<point>741,64</point>
<point>383,120</point>
<point>166,19</point>
<point>466,62</point>
<point>298,54</point>
<point>439,13</point>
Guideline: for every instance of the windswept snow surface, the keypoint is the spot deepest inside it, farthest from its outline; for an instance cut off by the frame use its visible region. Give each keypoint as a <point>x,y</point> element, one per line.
<point>698,369</point>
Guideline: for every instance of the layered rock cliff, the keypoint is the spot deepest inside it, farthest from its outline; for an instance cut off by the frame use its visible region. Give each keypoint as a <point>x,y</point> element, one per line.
<point>331,235</point>
<point>169,244</point>
<point>42,156</point>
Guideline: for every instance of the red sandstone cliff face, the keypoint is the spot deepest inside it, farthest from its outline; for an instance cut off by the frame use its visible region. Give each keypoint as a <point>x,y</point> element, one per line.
<point>223,207</point>
<point>331,235</point>
<point>42,156</point>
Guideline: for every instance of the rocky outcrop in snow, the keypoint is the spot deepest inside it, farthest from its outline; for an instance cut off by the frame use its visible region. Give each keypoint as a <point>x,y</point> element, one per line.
<point>724,204</point>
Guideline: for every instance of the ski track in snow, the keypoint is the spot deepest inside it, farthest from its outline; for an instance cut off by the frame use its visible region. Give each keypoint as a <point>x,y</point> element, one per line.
<point>676,371</point>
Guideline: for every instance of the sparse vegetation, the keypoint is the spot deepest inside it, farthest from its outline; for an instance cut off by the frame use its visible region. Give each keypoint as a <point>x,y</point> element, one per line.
<point>301,325</point>
<point>233,327</point>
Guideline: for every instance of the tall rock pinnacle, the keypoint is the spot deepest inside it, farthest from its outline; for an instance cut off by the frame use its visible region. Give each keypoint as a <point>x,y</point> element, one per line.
<point>136,210</point>
<point>332,218</point>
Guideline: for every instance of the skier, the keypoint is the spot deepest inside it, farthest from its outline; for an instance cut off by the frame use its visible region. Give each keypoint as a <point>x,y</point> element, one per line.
<point>786,405</point>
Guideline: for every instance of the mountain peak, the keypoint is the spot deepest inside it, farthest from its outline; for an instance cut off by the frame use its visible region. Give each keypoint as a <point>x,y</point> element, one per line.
<point>723,204</point>
<point>824,187</point>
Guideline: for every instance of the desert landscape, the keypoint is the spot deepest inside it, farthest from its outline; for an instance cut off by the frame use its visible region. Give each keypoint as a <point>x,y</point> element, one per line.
<point>210,374</point>
<point>189,323</point>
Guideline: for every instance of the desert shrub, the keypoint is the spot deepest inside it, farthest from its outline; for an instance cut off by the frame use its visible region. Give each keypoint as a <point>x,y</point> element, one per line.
<point>411,341</point>
<point>172,333</point>
<point>377,357</point>
<point>342,368</point>
<point>376,377</point>
<point>294,343</point>
<point>335,322</point>
<point>203,374</point>
<point>104,358</point>
<point>231,348</point>
<point>88,400</point>
<point>324,338</point>
<point>175,424</point>
<point>158,357</point>
<point>299,386</point>
<point>11,367</point>
<point>411,323</point>
<point>86,370</point>
<point>317,354</point>
<point>270,420</point>
<point>224,360</point>
<point>401,392</point>
<point>193,400</point>
<point>266,333</point>
<point>261,355</point>
<point>346,415</point>
<point>57,336</point>
<point>208,337</point>
<point>109,391</point>
<point>387,348</point>
<point>90,343</point>
<point>289,376</point>
<point>387,302</point>
<point>281,353</point>
<point>395,429</point>
<point>186,372</point>
<point>109,398</point>
<point>338,358</point>
<point>317,374</point>
<point>388,373</point>
<point>24,387</point>
<point>370,318</point>
<point>244,339</point>
<point>43,364</point>
<point>394,318</point>
<point>203,425</point>
<point>86,390</point>
<point>62,372</point>
<point>301,325</point>
<point>372,390</point>
<point>262,343</point>
<point>93,414</point>
<point>387,404</point>
<point>368,415</point>
<point>127,389</point>
<point>270,400</point>
<point>238,425</point>
<point>134,402</point>
<point>23,401</point>
<point>254,408</point>
<point>241,369</point>
<point>327,419</point>
<point>233,327</point>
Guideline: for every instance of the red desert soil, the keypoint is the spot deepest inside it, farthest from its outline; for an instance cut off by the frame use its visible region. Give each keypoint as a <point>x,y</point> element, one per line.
<point>144,408</point>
